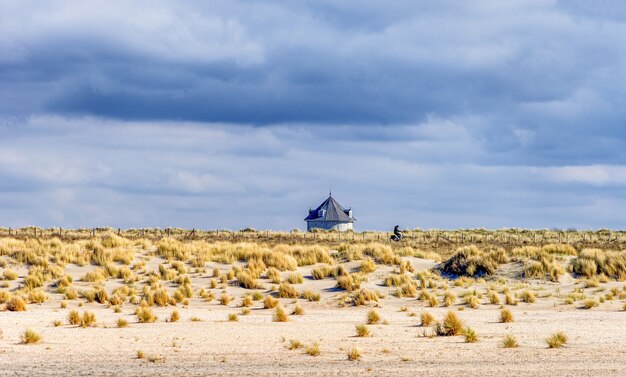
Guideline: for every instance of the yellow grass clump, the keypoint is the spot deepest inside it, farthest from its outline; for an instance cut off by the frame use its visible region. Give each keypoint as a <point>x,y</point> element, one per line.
<point>354,354</point>
<point>506,316</point>
<point>16,304</point>
<point>30,337</point>
<point>556,340</point>
<point>280,315</point>
<point>452,325</point>
<point>362,330</point>
<point>509,341</point>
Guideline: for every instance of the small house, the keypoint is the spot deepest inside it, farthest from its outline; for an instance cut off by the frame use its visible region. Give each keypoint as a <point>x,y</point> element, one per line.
<point>330,215</point>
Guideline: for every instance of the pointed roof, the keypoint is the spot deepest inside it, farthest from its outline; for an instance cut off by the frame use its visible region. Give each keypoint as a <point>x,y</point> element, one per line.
<point>332,211</point>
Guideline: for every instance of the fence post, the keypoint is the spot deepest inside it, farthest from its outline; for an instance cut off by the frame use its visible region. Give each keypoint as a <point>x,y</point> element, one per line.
<point>9,231</point>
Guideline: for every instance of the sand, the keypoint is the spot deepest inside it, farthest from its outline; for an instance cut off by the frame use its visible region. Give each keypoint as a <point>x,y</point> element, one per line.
<point>257,346</point>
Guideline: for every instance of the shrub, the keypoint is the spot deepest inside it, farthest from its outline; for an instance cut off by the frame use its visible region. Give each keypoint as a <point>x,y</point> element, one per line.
<point>121,322</point>
<point>280,315</point>
<point>426,319</point>
<point>509,341</point>
<point>471,261</point>
<point>140,354</point>
<point>74,317</point>
<point>494,299</point>
<point>347,283</point>
<point>363,296</point>
<point>57,323</point>
<point>452,325</point>
<point>298,310</point>
<point>273,274</point>
<point>449,298</point>
<point>30,337</point>
<point>246,301</point>
<point>367,266</point>
<point>245,280</point>
<point>269,302</point>
<point>175,316</point>
<point>88,319</point>
<point>362,330</point>
<point>321,272</point>
<point>257,296</point>
<point>528,296</point>
<point>506,316</point>
<point>470,335</point>
<point>313,349</point>
<point>285,290</point>
<point>373,317</point>
<point>556,340</point>
<point>161,297</point>
<point>590,303</point>
<point>472,301</point>
<point>16,304</point>
<point>294,344</point>
<point>232,317</point>
<point>145,315</point>
<point>224,299</point>
<point>9,274</point>
<point>295,278</point>
<point>310,295</point>
<point>37,296</point>
<point>354,354</point>
<point>100,295</point>
<point>71,294</point>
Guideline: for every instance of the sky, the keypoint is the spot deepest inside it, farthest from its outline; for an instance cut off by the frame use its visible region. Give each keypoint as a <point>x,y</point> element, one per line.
<point>234,114</point>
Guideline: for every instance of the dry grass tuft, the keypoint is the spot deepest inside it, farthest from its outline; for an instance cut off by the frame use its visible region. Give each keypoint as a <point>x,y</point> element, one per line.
<point>298,310</point>
<point>225,299</point>
<point>121,322</point>
<point>452,325</point>
<point>590,303</point>
<point>145,315</point>
<point>471,261</point>
<point>175,316</point>
<point>74,317</point>
<point>280,315</point>
<point>310,295</point>
<point>528,297</point>
<point>294,344</point>
<point>354,354</point>
<point>286,290</point>
<point>232,317</point>
<point>470,335</point>
<point>88,319</point>
<point>270,302</point>
<point>427,319</point>
<point>313,349</point>
<point>556,340</point>
<point>506,316</point>
<point>362,330</point>
<point>509,341</point>
<point>16,304</point>
<point>30,337</point>
<point>367,266</point>
<point>373,317</point>
<point>9,274</point>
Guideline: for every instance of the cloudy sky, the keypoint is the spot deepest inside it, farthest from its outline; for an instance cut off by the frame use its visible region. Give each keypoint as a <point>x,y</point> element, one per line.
<point>228,114</point>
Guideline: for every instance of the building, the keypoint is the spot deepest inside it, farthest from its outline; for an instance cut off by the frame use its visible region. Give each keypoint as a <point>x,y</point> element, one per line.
<point>330,215</point>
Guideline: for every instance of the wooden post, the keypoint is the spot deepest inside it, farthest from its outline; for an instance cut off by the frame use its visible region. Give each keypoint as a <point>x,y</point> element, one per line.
<point>35,229</point>
<point>9,231</point>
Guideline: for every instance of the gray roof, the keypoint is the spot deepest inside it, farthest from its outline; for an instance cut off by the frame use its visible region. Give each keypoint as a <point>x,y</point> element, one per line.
<point>330,210</point>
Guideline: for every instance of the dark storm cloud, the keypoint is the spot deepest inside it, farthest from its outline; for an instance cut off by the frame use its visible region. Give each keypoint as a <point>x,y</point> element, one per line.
<point>481,113</point>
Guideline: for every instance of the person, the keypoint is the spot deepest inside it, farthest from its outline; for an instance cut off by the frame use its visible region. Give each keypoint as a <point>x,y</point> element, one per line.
<point>397,234</point>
